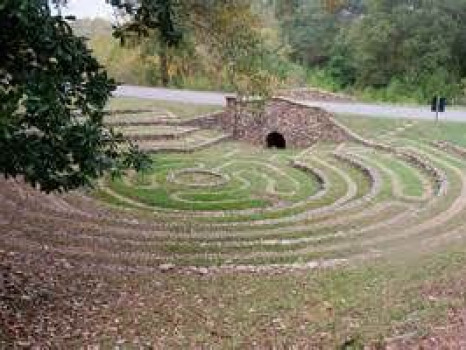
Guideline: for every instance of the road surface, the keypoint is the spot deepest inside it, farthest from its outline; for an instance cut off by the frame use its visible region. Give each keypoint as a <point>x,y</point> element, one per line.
<point>356,108</point>
<point>197,97</point>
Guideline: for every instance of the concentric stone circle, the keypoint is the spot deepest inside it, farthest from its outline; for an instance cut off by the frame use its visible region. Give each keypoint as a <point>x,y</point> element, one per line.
<point>325,206</point>
<point>199,178</point>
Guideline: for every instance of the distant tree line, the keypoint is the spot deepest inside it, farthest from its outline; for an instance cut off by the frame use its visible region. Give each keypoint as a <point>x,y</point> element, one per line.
<point>390,48</point>
<point>379,49</point>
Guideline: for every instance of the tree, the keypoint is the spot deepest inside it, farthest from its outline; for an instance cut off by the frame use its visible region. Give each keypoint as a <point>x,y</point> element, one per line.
<point>228,29</point>
<point>52,95</point>
<point>413,41</point>
<point>156,18</point>
<point>233,37</point>
<point>405,47</point>
<point>310,32</point>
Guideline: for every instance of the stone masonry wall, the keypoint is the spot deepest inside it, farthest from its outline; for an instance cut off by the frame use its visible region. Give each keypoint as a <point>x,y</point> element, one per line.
<point>301,126</point>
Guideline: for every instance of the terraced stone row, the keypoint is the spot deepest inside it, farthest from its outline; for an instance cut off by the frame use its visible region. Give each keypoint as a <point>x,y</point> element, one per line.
<point>154,131</point>
<point>450,147</point>
<point>187,143</point>
<point>358,209</point>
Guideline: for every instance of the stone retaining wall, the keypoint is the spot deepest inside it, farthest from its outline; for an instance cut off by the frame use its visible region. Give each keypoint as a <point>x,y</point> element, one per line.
<point>300,125</point>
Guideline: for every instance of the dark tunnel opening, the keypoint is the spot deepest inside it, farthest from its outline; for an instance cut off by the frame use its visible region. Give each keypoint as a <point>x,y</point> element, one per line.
<point>276,140</point>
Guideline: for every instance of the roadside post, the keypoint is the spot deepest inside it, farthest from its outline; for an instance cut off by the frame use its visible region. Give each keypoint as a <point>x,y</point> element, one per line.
<point>438,106</point>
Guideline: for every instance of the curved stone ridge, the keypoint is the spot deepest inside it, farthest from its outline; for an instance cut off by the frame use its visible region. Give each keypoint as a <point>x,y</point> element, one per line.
<point>207,178</point>
<point>451,147</point>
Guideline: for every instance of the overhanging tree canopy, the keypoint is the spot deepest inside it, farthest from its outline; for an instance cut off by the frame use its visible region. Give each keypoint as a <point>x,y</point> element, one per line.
<point>52,94</point>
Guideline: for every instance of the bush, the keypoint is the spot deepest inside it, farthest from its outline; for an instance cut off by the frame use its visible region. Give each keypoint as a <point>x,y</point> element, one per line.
<point>321,78</point>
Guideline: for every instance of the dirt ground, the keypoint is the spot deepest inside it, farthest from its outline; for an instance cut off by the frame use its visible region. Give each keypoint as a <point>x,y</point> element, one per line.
<point>51,300</point>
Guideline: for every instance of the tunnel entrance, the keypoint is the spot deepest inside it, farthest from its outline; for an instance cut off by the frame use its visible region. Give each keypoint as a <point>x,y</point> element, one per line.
<point>276,140</point>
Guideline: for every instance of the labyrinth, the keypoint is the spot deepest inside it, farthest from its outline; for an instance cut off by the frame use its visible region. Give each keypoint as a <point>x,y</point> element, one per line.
<point>210,204</point>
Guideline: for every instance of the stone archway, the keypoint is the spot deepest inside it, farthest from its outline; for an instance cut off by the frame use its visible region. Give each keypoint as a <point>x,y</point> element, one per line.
<point>276,140</point>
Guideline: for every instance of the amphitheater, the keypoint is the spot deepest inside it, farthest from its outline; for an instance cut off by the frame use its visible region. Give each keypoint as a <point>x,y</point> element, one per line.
<point>212,204</point>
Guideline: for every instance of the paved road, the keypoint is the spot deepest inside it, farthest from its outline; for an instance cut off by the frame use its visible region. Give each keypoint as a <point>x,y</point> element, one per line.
<point>198,97</point>
<point>218,98</point>
<point>391,111</point>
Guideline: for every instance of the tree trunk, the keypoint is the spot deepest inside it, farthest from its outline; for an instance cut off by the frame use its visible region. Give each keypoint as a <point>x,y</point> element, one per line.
<point>164,67</point>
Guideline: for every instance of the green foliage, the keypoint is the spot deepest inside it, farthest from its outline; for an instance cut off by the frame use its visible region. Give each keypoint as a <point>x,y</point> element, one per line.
<point>411,43</point>
<point>404,50</point>
<point>52,92</point>
<point>219,41</point>
<point>161,16</point>
<point>310,33</point>
<point>172,30</point>
<point>322,78</point>
<point>389,50</point>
